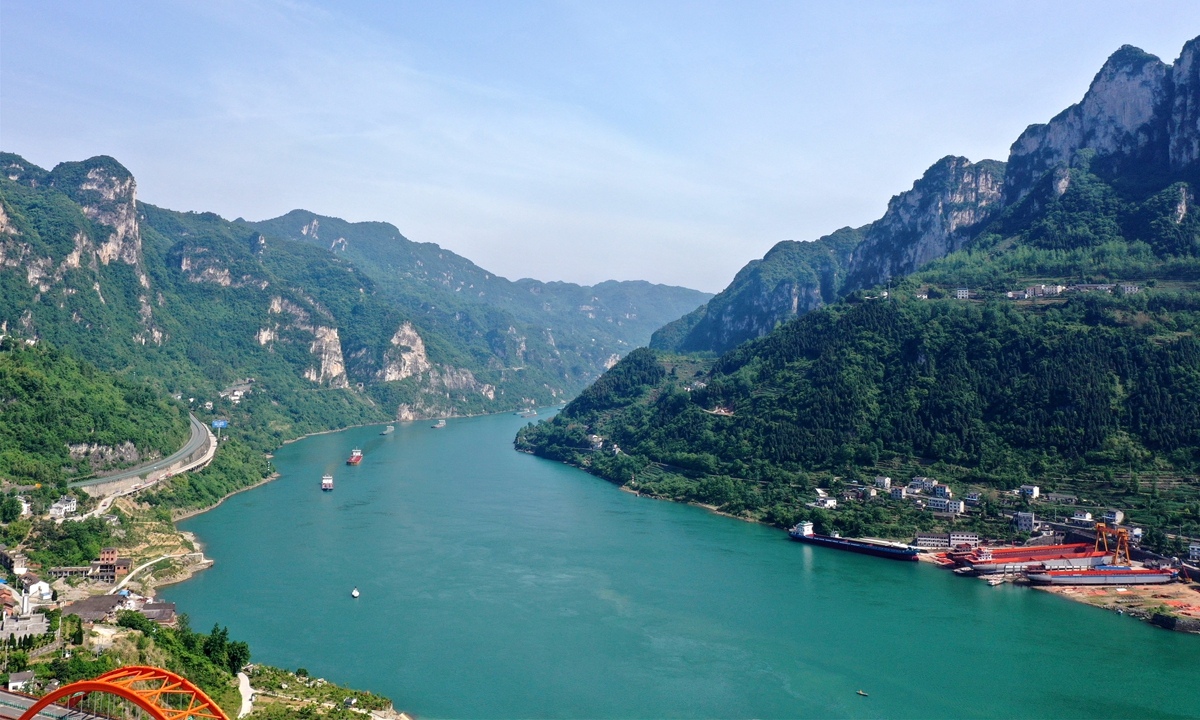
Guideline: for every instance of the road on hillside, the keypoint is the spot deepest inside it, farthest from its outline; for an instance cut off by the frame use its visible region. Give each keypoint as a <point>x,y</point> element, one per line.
<point>199,435</point>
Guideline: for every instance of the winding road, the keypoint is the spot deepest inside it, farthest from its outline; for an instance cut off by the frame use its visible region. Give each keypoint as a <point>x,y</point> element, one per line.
<point>199,436</point>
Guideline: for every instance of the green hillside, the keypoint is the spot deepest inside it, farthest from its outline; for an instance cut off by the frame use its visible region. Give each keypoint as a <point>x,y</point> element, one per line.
<point>52,401</point>
<point>1053,342</point>
<point>197,306</point>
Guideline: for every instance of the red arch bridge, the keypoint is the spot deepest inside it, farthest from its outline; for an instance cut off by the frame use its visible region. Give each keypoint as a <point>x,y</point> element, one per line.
<point>159,694</point>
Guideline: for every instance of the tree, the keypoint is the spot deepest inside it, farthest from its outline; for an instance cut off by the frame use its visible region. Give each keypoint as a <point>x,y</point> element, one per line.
<point>17,661</point>
<point>10,509</point>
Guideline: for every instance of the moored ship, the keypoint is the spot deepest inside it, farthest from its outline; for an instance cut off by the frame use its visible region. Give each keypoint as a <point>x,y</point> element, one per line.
<point>803,532</point>
<point>327,483</point>
<point>1101,575</point>
<point>355,457</point>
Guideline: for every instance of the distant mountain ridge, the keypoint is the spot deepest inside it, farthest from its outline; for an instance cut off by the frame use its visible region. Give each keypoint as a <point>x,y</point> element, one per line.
<point>603,321</point>
<point>1138,123</point>
<point>194,303</point>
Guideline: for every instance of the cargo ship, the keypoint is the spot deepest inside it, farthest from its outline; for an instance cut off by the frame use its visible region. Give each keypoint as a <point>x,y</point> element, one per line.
<point>985,560</point>
<point>327,483</point>
<point>1101,575</point>
<point>438,424</point>
<point>355,457</point>
<point>803,532</point>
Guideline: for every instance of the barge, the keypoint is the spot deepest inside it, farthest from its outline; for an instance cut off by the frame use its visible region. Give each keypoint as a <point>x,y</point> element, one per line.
<point>1101,575</point>
<point>803,532</point>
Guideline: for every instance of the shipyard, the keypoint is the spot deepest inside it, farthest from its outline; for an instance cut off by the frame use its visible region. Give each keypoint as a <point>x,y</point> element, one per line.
<point>1097,560</point>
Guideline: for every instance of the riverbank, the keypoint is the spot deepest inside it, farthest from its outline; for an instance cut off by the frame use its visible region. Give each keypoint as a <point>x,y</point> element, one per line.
<point>178,515</point>
<point>1182,600</point>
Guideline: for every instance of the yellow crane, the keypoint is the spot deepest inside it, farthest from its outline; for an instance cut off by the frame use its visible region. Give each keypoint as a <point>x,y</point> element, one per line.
<point>1120,546</point>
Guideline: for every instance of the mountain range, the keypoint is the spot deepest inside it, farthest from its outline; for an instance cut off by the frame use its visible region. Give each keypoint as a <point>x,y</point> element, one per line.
<point>335,322</point>
<point>1003,323</point>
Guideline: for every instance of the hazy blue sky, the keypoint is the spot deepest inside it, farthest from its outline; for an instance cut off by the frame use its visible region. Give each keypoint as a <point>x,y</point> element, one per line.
<point>564,141</point>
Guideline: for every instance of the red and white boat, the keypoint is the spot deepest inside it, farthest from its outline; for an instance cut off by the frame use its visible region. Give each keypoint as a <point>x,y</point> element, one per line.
<point>355,457</point>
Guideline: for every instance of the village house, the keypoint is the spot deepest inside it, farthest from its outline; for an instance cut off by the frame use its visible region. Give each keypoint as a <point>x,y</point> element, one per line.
<point>1031,491</point>
<point>64,506</point>
<point>1082,518</point>
<point>1025,521</point>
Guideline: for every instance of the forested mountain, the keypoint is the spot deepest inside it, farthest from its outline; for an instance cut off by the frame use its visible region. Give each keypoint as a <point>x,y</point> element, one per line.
<point>1052,341</point>
<point>599,323</point>
<point>1137,123</point>
<point>195,304</point>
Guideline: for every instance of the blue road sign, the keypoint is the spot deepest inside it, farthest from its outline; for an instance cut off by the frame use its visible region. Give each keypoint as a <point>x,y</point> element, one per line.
<point>220,423</point>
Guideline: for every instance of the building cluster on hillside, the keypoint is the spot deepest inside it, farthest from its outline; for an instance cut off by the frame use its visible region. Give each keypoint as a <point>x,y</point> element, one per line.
<point>1038,291</point>
<point>104,608</point>
<point>237,391</point>
<point>107,569</point>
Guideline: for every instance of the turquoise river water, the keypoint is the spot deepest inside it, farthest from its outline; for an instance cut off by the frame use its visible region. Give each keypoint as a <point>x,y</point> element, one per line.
<point>499,585</point>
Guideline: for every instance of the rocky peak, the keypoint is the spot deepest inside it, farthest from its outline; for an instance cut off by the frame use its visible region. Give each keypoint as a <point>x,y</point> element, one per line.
<point>1122,115</point>
<point>1185,107</point>
<point>954,198</point>
<point>107,194</point>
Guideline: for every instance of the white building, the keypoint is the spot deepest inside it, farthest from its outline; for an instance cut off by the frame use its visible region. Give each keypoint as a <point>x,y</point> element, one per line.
<point>1083,518</point>
<point>931,540</point>
<point>40,591</point>
<point>963,538</point>
<point>826,502</point>
<point>1026,522</point>
<point>962,294</point>
<point>899,493</point>
<point>63,507</point>
<point>1114,517</point>
<point>974,498</point>
<point>923,483</point>
<point>943,491</point>
<point>1194,552</point>
<point>19,681</point>
<point>936,504</point>
<point>957,507</point>
<point>1031,491</point>
<point>883,482</point>
<point>1129,289</point>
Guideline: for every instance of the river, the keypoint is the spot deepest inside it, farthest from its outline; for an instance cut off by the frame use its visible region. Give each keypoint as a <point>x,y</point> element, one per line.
<point>499,585</point>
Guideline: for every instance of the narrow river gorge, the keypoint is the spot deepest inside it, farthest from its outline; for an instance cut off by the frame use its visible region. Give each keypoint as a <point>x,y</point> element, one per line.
<point>497,584</point>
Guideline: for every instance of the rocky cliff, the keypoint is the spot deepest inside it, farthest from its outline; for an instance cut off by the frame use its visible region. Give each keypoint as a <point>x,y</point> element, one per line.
<point>1138,125</point>
<point>943,210</point>
<point>1139,117</point>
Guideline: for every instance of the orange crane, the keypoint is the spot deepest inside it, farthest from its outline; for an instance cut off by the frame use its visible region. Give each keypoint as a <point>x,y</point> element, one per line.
<point>1120,547</point>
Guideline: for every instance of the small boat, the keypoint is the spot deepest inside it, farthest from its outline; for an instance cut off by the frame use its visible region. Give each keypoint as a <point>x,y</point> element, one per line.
<point>860,692</point>
<point>529,413</point>
<point>354,593</point>
<point>327,483</point>
<point>994,581</point>
<point>438,424</point>
<point>355,457</point>
<point>388,430</point>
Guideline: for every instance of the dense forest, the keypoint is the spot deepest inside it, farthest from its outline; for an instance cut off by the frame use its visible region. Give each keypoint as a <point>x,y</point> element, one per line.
<point>51,401</point>
<point>1087,387</point>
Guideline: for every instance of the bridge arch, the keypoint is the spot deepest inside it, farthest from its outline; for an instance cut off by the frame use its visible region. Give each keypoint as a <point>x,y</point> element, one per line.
<point>163,695</point>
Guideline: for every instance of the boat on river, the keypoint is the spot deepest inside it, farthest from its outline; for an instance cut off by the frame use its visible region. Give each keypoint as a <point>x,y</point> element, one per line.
<point>529,413</point>
<point>355,457</point>
<point>354,593</point>
<point>438,424</point>
<point>1102,575</point>
<point>803,532</point>
<point>327,483</point>
<point>388,430</point>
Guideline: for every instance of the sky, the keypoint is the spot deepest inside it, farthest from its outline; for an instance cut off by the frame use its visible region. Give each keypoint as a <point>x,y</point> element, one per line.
<point>670,142</point>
